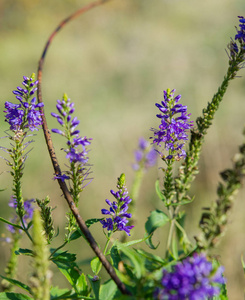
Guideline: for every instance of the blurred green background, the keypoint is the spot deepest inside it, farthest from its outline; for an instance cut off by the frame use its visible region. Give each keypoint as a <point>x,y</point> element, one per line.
<point>114,62</point>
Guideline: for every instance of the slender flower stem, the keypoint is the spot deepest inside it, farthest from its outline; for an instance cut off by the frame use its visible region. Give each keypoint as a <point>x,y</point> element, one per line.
<point>134,194</point>
<point>173,214</point>
<point>57,249</point>
<point>47,135</point>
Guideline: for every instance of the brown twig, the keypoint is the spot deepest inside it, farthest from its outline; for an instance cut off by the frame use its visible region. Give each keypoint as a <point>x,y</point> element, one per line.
<point>54,160</point>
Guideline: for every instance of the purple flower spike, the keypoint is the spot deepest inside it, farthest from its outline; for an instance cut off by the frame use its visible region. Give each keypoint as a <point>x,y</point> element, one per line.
<point>145,156</point>
<point>29,209</point>
<point>25,115</point>
<point>173,129</point>
<point>65,108</point>
<point>193,278</point>
<point>118,211</point>
<point>241,33</point>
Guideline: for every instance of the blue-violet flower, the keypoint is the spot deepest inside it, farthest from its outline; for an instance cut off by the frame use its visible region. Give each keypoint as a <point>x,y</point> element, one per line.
<point>118,209</point>
<point>26,114</point>
<point>191,279</point>
<point>241,33</point>
<point>29,209</point>
<point>145,156</point>
<point>65,109</point>
<point>173,129</point>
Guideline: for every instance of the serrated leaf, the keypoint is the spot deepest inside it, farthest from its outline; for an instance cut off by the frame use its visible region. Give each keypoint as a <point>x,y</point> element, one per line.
<point>156,219</point>
<point>18,283</point>
<point>95,284</point>
<point>96,265</point>
<point>14,296</point>
<point>108,290</point>
<point>27,252</point>
<point>67,266</point>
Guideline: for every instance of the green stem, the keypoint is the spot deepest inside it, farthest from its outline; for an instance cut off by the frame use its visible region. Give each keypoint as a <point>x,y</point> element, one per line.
<point>57,249</point>
<point>136,185</point>
<point>106,245</point>
<point>173,215</point>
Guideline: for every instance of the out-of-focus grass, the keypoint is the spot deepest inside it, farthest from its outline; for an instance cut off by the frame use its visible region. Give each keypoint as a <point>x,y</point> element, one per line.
<point>114,63</point>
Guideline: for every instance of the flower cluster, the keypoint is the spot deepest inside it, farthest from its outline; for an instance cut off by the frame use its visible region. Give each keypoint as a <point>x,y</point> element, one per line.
<point>172,130</point>
<point>145,156</point>
<point>26,114</point>
<point>241,33</point>
<point>28,207</point>
<point>191,279</point>
<point>65,109</point>
<point>118,209</point>
<point>76,151</point>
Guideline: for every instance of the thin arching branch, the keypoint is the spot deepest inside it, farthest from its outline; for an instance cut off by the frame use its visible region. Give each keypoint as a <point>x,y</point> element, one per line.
<point>54,160</point>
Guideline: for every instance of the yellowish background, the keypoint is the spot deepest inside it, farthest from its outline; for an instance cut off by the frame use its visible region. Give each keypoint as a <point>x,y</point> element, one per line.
<point>114,62</point>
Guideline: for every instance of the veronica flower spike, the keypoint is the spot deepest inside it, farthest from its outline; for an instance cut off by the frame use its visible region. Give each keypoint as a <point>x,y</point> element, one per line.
<point>25,115</point>
<point>118,210</point>
<point>145,156</point>
<point>172,131</point>
<point>76,150</point>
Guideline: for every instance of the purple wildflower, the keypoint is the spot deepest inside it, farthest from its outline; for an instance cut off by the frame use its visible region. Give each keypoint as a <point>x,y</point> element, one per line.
<point>74,153</point>
<point>62,177</point>
<point>28,207</point>
<point>241,33</point>
<point>26,114</point>
<point>192,279</point>
<point>173,129</point>
<point>118,210</point>
<point>145,156</point>
<point>76,150</point>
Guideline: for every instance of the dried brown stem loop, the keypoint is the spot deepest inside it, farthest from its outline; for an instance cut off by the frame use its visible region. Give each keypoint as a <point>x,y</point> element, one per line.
<point>54,160</point>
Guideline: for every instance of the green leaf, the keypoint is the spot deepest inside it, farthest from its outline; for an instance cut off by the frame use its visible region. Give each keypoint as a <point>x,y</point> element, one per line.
<point>95,284</point>
<point>57,293</point>
<point>82,285</point>
<point>10,223</point>
<point>108,290</point>
<point>96,265</point>
<point>115,256</point>
<point>156,219</point>
<point>60,294</point>
<point>24,252</point>
<point>14,296</point>
<point>151,257</point>
<point>67,266</point>
<point>78,233</point>
<point>131,243</point>
<point>158,191</point>
<point>18,283</point>
<point>136,261</point>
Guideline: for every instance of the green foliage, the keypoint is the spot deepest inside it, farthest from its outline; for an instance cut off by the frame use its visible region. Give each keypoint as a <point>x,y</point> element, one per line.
<point>156,219</point>
<point>14,296</point>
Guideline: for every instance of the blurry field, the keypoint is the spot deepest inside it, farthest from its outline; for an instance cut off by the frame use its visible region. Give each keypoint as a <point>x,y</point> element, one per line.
<point>114,62</point>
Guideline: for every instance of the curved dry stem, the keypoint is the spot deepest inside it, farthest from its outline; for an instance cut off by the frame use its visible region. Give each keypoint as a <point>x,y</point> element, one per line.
<point>54,160</point>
